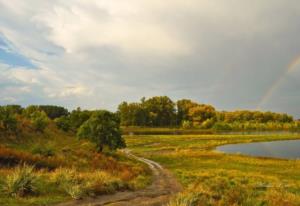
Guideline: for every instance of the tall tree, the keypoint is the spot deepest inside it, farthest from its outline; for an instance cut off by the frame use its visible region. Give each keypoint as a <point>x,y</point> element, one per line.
<point>103,128</point>
<point>161,110</point>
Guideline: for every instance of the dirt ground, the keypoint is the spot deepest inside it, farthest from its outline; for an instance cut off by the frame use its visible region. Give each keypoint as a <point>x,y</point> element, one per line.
<point>164,185</point>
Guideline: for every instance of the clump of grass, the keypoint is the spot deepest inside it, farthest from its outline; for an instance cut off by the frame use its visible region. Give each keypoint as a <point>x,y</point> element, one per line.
<point>139,182</point>
<point>191,199</point>
<point>79,184</point>
<point>70,182</point>
<point>21,182</point>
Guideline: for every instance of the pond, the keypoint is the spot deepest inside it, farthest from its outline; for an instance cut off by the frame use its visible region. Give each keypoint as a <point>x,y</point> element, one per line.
<point>287,149</point>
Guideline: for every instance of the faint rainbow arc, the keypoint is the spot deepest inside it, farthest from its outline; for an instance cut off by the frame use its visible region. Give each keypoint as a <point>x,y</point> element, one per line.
<point>291,67</point>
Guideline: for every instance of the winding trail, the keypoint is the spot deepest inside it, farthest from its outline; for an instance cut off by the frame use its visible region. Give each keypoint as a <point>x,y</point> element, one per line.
<point>163,186</point>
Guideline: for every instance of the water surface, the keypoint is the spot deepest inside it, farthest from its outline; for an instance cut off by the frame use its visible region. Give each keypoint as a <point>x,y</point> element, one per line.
<point>288,149</point>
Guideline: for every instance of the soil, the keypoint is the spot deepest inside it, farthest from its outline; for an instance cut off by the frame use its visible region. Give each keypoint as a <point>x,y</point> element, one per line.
<point>163,187</point>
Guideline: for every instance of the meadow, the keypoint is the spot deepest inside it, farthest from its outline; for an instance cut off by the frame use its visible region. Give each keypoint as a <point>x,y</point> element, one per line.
<point>213,178</point>
<point>54,166</point>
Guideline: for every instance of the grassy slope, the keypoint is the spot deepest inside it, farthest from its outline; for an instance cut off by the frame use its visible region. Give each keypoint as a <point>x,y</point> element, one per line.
<point>258,181</point>
<point>69,153</point>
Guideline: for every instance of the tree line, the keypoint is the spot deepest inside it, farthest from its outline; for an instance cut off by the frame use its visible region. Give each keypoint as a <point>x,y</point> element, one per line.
<point>99,126</point>
<point>161,111</point>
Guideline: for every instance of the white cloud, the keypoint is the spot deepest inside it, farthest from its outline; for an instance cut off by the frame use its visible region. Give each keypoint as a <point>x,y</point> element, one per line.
<point>97,53</point>
<point>77,26</point>
<point>69,91</point>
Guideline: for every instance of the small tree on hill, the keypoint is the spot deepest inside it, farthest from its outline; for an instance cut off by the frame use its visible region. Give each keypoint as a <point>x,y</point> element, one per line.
<point>39,120</point>
<point>63,123</point>
<point>103,128</point>
<point>8,121</point>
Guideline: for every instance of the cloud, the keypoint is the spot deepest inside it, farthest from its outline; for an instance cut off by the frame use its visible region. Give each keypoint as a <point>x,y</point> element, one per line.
<point>99,53</point>
<point>76,90</point>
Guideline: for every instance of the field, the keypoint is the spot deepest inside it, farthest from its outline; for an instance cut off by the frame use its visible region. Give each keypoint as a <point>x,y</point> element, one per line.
<point>213,178</point>
<point>65,168</point>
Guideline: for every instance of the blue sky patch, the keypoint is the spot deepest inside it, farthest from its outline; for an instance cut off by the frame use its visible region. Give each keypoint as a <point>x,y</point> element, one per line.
<point>9,56</point>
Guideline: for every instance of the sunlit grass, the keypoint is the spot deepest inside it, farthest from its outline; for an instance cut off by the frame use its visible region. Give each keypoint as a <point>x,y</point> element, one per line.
<point>65,168</point>
<point>213,178</point>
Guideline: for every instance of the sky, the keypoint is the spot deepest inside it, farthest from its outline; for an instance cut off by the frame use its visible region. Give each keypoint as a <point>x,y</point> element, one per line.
<point>234,54</point>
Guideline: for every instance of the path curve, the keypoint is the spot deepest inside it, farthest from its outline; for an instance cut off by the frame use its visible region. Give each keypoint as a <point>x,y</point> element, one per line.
<point>163,186</point>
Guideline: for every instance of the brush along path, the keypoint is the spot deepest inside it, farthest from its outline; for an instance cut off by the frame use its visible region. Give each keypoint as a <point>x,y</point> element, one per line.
<point>163,186</point>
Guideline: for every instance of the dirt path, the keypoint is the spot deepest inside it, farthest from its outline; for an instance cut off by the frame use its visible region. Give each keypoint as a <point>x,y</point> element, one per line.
<point>164,185</point>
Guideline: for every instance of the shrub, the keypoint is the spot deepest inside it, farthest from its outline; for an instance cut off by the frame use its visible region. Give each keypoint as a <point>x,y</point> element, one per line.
<point>76,191</point>
<point>44,151</point>
<point>185,200</point>
<point>186,124</point>
<point>63,123</point>
<point>39,121</point>
<point>70,182</point>
<point>11,157</point>
<point>78,185</point>
<point>8,121</point>
<point>21,182</point>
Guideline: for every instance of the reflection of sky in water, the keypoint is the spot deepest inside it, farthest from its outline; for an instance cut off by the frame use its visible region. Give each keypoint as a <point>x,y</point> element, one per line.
<point>282,149</point>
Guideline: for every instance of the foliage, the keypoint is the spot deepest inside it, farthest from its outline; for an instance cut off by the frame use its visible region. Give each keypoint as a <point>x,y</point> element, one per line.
<point>11,157</point>
<point>21,182</point>
<point>39,120</point>
<point>103,128</point>
<point>44,151</point>
<point>78,117</point>
<point>8,121</point>
<point>53,111</point>
<point>63,123</point>
<point>133,114</point>
<point>95,173</point>
<point>161,111</point>
<point>155,111</point>
<point>186,124</point>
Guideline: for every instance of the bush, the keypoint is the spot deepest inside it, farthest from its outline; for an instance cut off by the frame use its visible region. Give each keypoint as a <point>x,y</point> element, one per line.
<point>79,185</point>
<point>186,124</point>
<point>221,126</point>
<point>39,121</point>
<point>11,157</point>
<point>185,200</point>
<point>44,151</point>
<point>21,182</point>
<point>63,123</point>
<point>8,121</point>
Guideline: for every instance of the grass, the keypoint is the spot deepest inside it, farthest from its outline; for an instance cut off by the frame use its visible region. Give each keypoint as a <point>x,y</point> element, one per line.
<point>59,167</point>
<point>213,178</point>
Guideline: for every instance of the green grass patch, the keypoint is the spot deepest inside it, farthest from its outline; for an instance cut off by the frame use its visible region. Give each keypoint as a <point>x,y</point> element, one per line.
<point>213,178</point>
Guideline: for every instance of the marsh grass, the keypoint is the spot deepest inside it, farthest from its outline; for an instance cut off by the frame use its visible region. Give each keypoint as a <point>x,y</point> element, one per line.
<point>65,168</point>
<point>212,178</point>
<point>21,182</point>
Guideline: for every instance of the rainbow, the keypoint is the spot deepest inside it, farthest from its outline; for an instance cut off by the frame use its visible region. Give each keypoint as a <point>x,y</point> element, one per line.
<point>290,68</point>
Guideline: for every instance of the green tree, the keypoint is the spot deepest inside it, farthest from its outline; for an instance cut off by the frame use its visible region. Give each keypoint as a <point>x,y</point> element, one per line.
<point>183,107</point>
<point>103,128</point>
<point>201,113</point>
<point>132,114</point>
<point>28,111</point>
<point>39,120</point>
<point>53,111</point>
<point>78,117</point>
<point>63,123</point>
<point>8,121</point>
<point>161,110</point>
